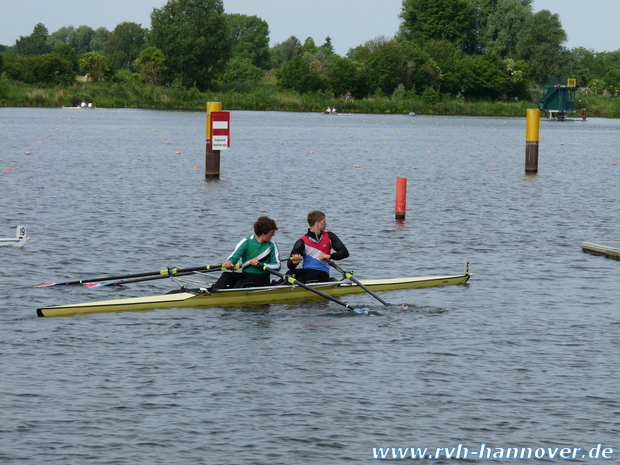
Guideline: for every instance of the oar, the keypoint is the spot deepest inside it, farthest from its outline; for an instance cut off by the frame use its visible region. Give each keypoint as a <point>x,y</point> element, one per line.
<point>292,280</point>
<point>136,280</point>
<point>166,272</point>
<point>349,275</point>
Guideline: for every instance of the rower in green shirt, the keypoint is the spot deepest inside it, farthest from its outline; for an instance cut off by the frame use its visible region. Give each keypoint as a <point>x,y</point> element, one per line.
<point>250,251</point>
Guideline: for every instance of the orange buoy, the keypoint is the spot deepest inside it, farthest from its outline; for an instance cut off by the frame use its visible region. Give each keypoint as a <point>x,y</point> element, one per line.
<point>401,198</point>
<point>613,164</point>
<point>358,166</point>
<point>178,153</point>
<point>311,152</point>
<point>40,142</point>
<point>494,164</point>
<point>9,169</point>
<point>196,167</point>
<point>167,143</point>
<point>26,153</point>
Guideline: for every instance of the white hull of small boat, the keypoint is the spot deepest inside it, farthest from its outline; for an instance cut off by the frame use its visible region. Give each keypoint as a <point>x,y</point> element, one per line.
<point>19,240</point>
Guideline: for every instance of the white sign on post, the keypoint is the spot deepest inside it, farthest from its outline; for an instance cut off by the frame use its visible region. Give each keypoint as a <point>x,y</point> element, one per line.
<point>220,130</point>
<point>219,142</point>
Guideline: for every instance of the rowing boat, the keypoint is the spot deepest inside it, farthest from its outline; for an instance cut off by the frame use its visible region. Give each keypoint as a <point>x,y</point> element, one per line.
<point>608,249</point>
<point>19,240</point>
<point>250,296</point>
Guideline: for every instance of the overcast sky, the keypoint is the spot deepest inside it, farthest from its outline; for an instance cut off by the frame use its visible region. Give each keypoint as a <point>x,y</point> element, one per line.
<point>349,23</point>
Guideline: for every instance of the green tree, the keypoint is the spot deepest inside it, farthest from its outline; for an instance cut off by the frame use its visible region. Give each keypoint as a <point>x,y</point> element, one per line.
<point>99,40</point>
<point>502,27</point>
<point>343,76</point>
<point>151,64</point>
<point>489,77</point>
<point>425,21</point>
<point>389,63</point>
<point>40,69</point>
<point>240,69</point>
<point>285,51</point>
<point>327,48</point>
<point>194,37</point>
<point>124,44</point>
<point>81,38</point>
<point>297,74</point>
<point>453,64</point>
<point>250,39</point>
<point>612,81</point>
<point>95,65</point>
<point>539,43</point>
<point>309,46</point>
<point>35,43</point>
<point>67,52</point>
<point>61,37</point>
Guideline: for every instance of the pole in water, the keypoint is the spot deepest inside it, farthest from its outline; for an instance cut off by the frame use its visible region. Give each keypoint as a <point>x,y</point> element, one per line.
<point>532,131</point>
<point>401,198</point>
<point>212,162</point>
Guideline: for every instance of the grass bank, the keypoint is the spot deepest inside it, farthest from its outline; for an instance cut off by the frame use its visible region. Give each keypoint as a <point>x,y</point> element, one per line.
<point>269,97</point>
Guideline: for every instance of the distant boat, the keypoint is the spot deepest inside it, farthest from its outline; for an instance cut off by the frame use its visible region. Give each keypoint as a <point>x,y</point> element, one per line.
<point>79,107</point>
<point>19,240</point>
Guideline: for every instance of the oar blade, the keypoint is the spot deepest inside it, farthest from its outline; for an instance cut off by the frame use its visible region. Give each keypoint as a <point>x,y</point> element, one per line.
<point>50,284</point>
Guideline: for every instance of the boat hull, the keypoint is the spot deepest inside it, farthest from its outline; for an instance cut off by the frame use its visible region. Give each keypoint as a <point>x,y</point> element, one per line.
<point>249,296</point>
<point>14,242</point>
<point>608,249</point>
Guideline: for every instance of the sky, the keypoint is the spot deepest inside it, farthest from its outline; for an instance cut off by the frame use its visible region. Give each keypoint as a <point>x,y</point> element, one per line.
<point>349,23</point>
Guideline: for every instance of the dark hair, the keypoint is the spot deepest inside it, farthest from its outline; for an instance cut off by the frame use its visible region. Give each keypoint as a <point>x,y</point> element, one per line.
<point>263,225</point>
<point>315,216</point>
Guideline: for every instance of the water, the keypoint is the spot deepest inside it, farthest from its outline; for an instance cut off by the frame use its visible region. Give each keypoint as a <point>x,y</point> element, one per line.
<point>523,355</point>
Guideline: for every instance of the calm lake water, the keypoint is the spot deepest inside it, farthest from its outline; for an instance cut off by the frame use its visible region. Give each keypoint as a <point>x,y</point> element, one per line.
<point>524,355</point>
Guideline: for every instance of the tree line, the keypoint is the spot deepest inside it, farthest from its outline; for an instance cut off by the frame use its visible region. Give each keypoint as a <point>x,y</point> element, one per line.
<point>469,49</point>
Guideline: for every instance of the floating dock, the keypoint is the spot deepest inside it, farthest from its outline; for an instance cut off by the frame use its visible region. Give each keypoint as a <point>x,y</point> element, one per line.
<point>608,249</point>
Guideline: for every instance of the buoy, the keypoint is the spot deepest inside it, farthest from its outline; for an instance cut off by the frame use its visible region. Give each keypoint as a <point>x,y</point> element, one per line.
<point>167,143</point>
<point>357,166</point>
<point>196,167</point>
<point>401,198</point>
<point>429,152</point>
<point>613,164</point>
<point>40,142</point>
<point>26,153</point>
<point>9,169</point>
<point>494,164</point>
<point>311,152</point>
<point>178,153</point>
